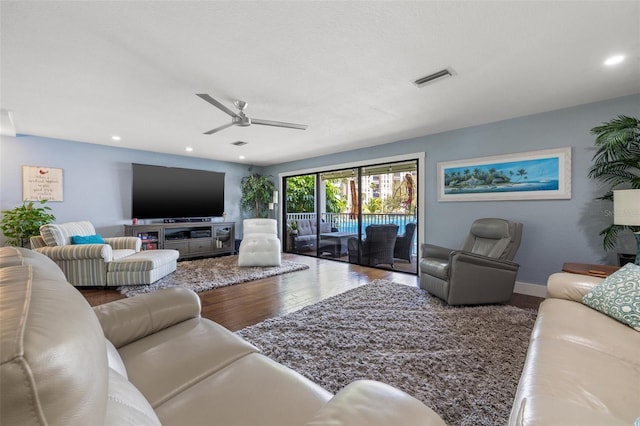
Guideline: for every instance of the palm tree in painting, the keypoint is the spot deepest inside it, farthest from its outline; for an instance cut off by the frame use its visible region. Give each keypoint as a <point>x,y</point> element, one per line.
<point>522,173</point>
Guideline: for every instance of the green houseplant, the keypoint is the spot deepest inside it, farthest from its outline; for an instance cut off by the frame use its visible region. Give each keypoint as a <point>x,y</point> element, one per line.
<point>23,222</point>
<point>293,227</point>
<point>616,163</point>
<point>257,193</point>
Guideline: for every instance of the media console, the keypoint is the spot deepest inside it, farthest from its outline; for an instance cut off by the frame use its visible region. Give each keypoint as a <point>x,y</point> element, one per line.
<point>191,239</point>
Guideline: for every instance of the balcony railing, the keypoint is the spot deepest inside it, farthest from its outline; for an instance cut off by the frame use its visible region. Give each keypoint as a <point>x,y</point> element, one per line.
<point>345,222</point>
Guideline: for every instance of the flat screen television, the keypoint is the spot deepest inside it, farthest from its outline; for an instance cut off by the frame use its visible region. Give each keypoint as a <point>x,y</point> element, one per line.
<point>160,192</point>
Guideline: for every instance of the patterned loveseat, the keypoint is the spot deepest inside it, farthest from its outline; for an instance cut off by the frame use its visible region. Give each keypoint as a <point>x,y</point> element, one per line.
<point>87,259</point>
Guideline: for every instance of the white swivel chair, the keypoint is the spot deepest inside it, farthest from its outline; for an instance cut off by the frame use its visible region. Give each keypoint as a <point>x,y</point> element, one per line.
<point>260,245</point>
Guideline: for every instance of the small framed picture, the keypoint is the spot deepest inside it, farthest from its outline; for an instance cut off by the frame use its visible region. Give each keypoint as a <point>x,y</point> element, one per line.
<point>41,183</point>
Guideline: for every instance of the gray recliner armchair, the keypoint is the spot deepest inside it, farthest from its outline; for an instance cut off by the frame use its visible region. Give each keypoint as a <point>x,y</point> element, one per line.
<point>481,272</point>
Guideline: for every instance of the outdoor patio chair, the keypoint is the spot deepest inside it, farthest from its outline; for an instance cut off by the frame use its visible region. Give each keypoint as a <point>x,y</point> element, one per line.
<point>404,243</point>
<point>377,248</point>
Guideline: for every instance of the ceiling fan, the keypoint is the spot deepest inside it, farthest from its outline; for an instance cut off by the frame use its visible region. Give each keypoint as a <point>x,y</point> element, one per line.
<point>241,119</point>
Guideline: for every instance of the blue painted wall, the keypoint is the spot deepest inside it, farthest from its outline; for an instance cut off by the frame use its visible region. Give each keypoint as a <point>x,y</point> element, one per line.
<point>97,182</point>
<point>97,179</point>
<point>555,231</point>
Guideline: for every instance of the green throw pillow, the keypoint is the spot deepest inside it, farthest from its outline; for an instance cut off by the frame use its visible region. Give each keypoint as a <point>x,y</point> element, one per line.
<point>618,296</point>
<point>87,239</point>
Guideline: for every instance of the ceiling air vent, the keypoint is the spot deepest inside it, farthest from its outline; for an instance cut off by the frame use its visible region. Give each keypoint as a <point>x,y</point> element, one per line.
<point>436,76</point>
<point>239,143</point>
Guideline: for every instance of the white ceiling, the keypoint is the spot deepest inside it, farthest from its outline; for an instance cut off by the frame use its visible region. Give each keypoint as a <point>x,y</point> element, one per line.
<point>85,71</point>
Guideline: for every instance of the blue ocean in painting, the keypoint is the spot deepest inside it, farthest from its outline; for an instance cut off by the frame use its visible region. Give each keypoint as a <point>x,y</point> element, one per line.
<point>551,185</point>
<point>514,176</point>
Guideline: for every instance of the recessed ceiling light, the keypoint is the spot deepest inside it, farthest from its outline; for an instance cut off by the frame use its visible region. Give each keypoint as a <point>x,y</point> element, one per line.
<point>614,60</point>
<point>188,149</point>
<point>242,157</point>
<point>116,137</point>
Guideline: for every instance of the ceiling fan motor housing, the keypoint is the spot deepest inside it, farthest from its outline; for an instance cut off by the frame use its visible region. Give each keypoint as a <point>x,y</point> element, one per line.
<point>242,120</point>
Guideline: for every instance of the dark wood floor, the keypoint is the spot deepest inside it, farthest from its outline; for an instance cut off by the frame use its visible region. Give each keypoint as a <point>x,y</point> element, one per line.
<point>239,306</point>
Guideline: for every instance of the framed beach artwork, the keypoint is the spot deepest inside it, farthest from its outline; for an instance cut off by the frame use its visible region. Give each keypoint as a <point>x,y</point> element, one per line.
<point>534,175</point>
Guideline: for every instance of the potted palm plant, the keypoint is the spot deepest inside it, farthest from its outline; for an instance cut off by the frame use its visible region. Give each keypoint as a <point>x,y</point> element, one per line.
<point>616,163</point>
<point>23,222</point>
<point>257,193</point>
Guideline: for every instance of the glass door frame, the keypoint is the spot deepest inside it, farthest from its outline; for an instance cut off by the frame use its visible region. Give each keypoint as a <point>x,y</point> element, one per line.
<point>419,158</point>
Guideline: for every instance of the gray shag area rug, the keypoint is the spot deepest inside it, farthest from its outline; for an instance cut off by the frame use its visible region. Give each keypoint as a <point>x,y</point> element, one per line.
<point>463,362</point>
<point>205,274</point>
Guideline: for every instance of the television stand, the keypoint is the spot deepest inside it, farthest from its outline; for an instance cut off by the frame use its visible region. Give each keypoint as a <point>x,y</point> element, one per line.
<point>191,239</point>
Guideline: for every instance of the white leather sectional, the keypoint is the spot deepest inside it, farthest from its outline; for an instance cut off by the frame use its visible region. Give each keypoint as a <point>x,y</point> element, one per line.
<point>583,367</point>
<point>151,360</point>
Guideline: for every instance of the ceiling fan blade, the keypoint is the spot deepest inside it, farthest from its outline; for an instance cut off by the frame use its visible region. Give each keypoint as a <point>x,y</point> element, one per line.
<point>217,129</point>
<point>279,124</point>
<point>217,104</point>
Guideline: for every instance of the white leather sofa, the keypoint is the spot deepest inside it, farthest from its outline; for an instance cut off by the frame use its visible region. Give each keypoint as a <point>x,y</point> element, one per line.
<point>152,359</point>
<point>582,367</point>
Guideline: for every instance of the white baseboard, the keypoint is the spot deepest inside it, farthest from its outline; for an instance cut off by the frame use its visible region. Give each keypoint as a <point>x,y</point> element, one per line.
<point>529,289</point>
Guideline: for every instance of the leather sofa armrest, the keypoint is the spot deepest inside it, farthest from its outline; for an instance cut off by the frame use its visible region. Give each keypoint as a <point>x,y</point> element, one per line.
<point>565,285</point>
<point>366,402</point>
<point>127,320</point>
<point>78,252</point>
<point>431,250</point>
<point>481,261</point>
<point>124,243</point>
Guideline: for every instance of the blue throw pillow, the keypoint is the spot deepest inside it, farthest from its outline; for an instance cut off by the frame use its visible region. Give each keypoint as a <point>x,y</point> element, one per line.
<point>87,239</point>
<point>618,296</point>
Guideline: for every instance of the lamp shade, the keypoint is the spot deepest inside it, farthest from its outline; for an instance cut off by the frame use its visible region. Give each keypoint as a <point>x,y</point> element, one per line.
<point>626,207</point>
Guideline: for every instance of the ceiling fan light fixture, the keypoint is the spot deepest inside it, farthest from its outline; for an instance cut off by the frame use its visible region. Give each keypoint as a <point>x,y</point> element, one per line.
<point>436,76</point>
<point>241,105</point>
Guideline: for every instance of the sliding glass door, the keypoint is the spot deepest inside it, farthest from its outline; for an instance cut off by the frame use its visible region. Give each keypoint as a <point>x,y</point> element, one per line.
<point>339,208</point>
<point>300,213</point>
<point>363,215</point>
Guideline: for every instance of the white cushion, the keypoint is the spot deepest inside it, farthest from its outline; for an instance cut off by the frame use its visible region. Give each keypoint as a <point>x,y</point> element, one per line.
<point>259,250</point>
<point>260,226</point>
